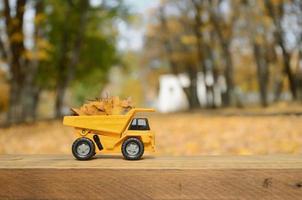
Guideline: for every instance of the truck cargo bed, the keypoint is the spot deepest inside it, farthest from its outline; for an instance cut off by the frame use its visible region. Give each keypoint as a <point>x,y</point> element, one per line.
<point>103,123</point>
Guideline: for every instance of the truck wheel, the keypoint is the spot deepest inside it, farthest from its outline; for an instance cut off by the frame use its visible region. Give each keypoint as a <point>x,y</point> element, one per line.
<point>132,149</point>
<point>83,149</point>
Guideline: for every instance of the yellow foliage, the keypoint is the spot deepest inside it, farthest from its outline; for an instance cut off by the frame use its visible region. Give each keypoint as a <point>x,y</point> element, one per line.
<point>43,44</point>
<point>191,147</point>
<point>41,52</point>
<point>285,83</point>
<point>4,94</point>
<point>39,18</point>
<point>188,39</point>
<point>152,30</point>
<point>245,75</point>
<point>206,27</point>
<point>16,37</point>
<point>42,55</point>
<point>105,106</point>
<point>174,26</point>
<point>184,57</point>
<point>259,39</point>
<point>260,4</point>
<point>29,55</point>
<point>134,88</point>
<point>36,55</point>
<point>244,151</point>
<point>276,2</point>
<point>267,20</point>
<point>227,32</point>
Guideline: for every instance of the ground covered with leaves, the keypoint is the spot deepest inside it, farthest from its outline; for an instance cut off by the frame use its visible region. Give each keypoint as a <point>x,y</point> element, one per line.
<point>176,134</point>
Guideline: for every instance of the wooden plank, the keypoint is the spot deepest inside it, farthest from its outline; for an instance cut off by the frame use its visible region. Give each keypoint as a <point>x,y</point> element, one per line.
<point>111,177</point>
<point>117,162</point>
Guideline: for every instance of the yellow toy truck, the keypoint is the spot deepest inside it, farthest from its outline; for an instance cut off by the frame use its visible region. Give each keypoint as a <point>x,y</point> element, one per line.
<point>112,134</point>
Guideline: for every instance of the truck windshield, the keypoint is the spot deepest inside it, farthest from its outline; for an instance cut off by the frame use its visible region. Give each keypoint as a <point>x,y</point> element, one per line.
<point>139,124</point>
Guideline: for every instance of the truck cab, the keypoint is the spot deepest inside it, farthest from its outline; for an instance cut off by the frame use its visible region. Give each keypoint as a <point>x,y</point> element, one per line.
<point>140,124</point>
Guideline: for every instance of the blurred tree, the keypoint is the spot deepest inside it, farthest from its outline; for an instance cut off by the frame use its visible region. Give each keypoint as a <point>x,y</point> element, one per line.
<point>258,29</point>
<point>13,52</point>
<point>275,10</point>
<point>225,40</point>
<point>167,44</point>
<point>166,36</point>
<point>72,42</point>
<point>224,30</point>
<point>204,52</point>
<point>36,56</point>
<point>82,46</point>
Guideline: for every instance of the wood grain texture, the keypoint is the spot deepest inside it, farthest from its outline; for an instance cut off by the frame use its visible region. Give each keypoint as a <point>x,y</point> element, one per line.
<point>216,177</point>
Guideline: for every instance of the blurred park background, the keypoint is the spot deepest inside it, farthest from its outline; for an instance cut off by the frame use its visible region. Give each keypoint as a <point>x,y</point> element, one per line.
<point>224,75</point>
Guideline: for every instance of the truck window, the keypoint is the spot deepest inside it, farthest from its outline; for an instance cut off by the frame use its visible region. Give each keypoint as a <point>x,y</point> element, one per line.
<point>139,124</point>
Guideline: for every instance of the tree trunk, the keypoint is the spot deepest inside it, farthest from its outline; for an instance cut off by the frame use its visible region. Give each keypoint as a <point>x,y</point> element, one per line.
<point>278,85</point>
<point>279,37</point>
<point>288,71</point>
<point>17,64</point>
<point>228,73</point>
<point>29,93</point>
<point>35,103</point>
<point>225,46</point>
<point>29,98</point>
<point>62,74</point>
<point>205,53</point>
<point>60,96</point>
<point>299,67</point>
<point>68,66</point>
<point>262,72</point>
<point>193,98</point>
<point>15,108</point>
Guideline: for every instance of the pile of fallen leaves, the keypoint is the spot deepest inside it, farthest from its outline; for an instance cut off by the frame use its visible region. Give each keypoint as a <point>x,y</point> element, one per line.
<point>104,106</point>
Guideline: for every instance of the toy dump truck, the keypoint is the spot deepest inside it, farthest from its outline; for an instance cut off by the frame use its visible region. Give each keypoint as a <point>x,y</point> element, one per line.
<point>112,134</point>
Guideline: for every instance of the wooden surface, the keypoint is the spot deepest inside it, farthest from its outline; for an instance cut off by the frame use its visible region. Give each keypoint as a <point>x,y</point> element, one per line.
<point>110,177</point>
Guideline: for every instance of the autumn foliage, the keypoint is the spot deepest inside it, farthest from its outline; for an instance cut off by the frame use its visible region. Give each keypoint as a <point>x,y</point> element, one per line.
<point>104,106</point>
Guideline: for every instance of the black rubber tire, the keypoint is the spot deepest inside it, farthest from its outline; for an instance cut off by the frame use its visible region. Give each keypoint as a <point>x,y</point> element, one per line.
<point>80,141</point>
<point>140,152</point>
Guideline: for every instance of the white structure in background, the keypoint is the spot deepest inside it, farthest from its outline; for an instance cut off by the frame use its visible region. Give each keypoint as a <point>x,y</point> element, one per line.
<point>171,96</point>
